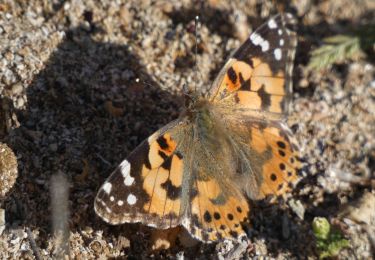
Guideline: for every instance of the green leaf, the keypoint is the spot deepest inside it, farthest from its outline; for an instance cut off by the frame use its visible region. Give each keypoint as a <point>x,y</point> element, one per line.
<point>336,49</point>
<point>329,241</point>
<point>321,228</point>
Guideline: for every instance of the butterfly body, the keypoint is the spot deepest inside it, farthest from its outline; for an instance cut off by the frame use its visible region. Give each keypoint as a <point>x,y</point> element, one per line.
<point>227,147</point>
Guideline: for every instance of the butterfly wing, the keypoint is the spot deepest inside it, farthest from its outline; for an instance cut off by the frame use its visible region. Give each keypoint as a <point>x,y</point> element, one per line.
<point>268,157</point>
<point>147,186</point>
<point>258,75</point>
<point>216,214</point>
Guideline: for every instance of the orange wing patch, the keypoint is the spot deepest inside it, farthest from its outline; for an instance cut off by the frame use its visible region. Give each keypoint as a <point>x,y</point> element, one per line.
<point>236,74</point>
<point>259,74</point>
<point>280,172</point>
<point>254,86</point>
<point>215,216</point>
<point>164,188</point>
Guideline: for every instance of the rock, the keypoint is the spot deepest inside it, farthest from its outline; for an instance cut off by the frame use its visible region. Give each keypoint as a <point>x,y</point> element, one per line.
<point>2,221</point>
<point>362,210</point>
<point>8,169</point>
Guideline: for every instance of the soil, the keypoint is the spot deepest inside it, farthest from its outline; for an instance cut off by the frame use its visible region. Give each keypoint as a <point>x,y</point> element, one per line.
<point>82,83</point>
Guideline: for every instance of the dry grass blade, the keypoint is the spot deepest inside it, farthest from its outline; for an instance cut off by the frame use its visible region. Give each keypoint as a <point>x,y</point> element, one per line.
<point>60,215</point>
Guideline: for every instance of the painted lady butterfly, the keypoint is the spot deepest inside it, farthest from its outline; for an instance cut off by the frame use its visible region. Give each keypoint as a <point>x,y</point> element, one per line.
<point>229,145</point>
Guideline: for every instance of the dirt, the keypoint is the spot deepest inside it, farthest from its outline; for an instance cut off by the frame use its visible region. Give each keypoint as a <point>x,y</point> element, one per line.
<point>82,83</point>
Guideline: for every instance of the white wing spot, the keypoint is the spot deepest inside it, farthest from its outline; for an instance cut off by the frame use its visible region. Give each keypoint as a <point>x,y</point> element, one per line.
<point>108,210</point>
<point>272,24</point>
<point>281,42</point>
<point>107,187</point>
<point>131,199</point>
<point>265,45</point>
<point>125,168</point>
<point>256,38</point>
<point>128,180</point>
<point>280,32</point>
<point>111,198</point>
<point>120,202</point>
<point>277,53</point>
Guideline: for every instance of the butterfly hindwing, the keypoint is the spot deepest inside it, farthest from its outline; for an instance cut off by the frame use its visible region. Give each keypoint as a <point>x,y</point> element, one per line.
<point>280,170</point>
<point>146,187</point>
<point>215,215</point>
<point>258,75</point>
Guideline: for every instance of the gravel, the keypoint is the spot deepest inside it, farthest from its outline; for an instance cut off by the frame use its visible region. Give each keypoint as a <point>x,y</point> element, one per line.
<point>83,82</point>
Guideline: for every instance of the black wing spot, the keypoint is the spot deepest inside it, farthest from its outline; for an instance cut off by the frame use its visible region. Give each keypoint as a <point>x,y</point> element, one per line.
<point>167,163</point>
<point>239,209</point>
<point>179,155</point>
<point>232,75</point>
<point>234,234</point>
<point>207,217</point>
<point>273,177</point>
<point>217,215</point>
<point>282,153</point>
<point>173,192</point>
<point>264,97</point>
<point>163,155</point>
<point>162,142</point>
<point>282,166</point>
<point>230,216</point>
<point>281,144</point>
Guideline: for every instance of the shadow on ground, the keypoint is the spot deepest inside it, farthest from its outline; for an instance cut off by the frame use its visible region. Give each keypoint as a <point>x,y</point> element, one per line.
<point>70,127</point>
<point>67,127</point>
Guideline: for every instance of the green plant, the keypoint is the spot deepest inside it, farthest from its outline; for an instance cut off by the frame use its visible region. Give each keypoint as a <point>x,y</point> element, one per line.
<point>329,241</point>
<point>339,48</point>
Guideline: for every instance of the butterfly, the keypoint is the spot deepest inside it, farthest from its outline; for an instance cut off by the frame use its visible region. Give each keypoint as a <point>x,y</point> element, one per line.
<point>228,147</point>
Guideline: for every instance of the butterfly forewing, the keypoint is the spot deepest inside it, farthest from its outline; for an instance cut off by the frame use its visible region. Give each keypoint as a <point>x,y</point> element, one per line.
<point>258,75</point>
<point>146,187</point>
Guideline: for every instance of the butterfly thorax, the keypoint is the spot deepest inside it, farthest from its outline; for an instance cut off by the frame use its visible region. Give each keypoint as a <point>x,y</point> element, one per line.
<point>199,112</point>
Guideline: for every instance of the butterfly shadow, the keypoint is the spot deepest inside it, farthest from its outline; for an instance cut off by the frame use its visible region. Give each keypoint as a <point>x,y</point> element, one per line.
<point>90,105</point>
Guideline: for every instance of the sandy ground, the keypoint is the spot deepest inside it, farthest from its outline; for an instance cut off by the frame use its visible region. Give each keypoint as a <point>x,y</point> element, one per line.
<point>83,82</point>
